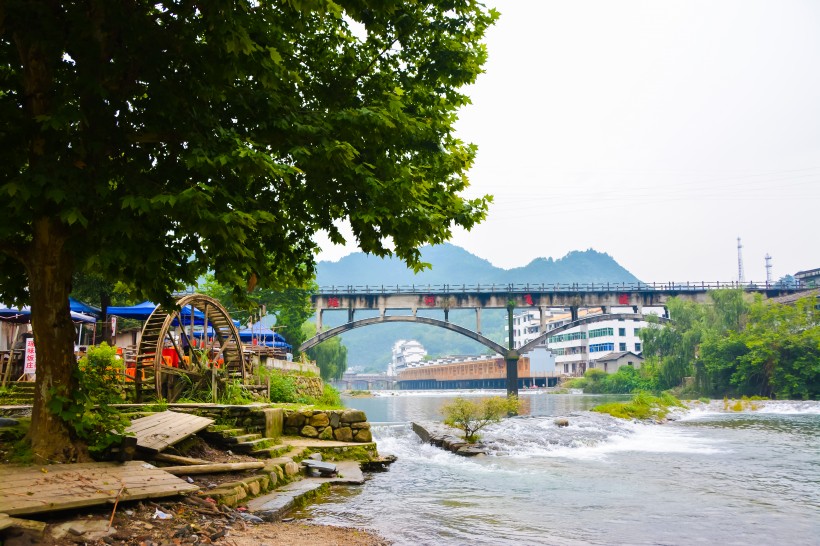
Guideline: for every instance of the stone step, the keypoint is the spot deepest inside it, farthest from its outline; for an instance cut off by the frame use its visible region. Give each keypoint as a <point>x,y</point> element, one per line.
<point>271,452</point>
<point>273,506</point>
<point>241,439</point>
<point>225,432</point>
<point>253,445</point>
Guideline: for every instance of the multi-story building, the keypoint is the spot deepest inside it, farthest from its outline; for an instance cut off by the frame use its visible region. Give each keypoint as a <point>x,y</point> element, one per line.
<point>577,347</point>
<point>406,354</point>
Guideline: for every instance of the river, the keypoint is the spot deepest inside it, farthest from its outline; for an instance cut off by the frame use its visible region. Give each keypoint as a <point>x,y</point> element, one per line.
<point>711,477</point>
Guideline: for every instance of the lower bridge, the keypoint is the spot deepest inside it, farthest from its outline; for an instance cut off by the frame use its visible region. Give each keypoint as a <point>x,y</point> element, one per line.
<point>365,382</point>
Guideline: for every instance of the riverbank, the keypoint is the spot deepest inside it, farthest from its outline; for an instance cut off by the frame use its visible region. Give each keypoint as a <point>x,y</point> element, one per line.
<point>135,525</point>
<point>244,484</point>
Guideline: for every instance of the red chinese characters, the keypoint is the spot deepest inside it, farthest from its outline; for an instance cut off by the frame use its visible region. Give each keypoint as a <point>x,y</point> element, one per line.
<point>430,301</point>
<point>528,299</point>
<point>623,299</point>
<point>333,302</point>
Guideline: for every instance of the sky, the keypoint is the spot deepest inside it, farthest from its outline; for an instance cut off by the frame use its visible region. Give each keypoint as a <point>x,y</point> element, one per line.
<point>657,131</point>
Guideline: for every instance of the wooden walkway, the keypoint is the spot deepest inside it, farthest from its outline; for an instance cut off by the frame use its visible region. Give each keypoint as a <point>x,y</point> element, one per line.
<point>36,489</point>
<point>156,432</point>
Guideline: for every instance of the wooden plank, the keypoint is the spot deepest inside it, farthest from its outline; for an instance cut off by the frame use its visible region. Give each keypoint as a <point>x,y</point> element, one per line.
<point>178,459</point>
<point>214,468</point>
<point>7,521</point>
<point>156,432</point>
<point>36,489</point>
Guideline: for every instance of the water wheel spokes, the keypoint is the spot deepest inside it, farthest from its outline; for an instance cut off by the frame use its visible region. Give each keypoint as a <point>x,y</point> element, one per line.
<point>173,366</point>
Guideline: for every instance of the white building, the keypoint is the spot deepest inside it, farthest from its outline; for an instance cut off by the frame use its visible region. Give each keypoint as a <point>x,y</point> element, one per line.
<point>577,348</point>
<point>406,354</point>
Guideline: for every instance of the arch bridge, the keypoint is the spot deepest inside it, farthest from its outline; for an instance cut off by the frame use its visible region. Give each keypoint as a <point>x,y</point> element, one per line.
<point>543,297</point>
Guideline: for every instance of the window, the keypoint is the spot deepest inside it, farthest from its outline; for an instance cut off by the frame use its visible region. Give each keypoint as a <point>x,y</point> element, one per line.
<point>637,347</point>
<point>599,332</point>
<point>637,331</point>
<point>600,347</point>
<point>621,332</point>
<point>622,346</point>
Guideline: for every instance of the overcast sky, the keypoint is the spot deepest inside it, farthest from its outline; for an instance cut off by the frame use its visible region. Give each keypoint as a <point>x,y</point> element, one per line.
<point>657,131</point>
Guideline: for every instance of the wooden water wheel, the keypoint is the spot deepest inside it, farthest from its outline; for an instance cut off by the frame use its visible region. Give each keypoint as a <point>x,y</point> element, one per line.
<point>193,348</point>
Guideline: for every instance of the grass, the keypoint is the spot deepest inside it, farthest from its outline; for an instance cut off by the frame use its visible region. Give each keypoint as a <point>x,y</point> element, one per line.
<point>642,406</point>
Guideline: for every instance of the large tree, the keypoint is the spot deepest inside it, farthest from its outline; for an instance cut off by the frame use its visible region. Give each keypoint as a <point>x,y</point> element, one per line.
<point>150,141</point>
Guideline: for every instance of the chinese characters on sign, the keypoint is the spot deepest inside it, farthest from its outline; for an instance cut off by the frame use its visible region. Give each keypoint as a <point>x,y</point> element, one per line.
<point>30,363</point>
<point>430,301</point>
<point>528,299</point>
<point>623,299</point>
<point>333,302</point>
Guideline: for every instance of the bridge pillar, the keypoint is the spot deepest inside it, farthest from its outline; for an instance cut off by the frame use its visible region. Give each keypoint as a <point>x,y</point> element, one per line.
<point>637,309</point>
<point>478,319</point>
<point>350,313</point>
<point>542,319</point>
<point>446,315</point>
<point>512,356</point>
<point>604,309</point>
<point>573,311</point>
<point>512,373</point>
<point>319,321</point>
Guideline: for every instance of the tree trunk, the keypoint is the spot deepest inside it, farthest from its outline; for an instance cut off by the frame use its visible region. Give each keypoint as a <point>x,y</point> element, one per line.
<point>105,301</point>
<point>49,268</point>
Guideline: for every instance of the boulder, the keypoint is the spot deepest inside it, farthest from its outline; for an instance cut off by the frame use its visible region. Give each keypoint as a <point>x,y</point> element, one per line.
<point>353,416</point>
<point>561,422</point>
<point>343,434</point>
<point>335,419</point>
<point>309,431</point>
<point>294,419</point>
<point>326,434</point>
<point>319,420</point>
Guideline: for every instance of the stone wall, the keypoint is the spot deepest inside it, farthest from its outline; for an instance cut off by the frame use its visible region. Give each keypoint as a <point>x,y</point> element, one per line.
<point>347,425</point>
<point>308,386</point>
<point>343,425</point>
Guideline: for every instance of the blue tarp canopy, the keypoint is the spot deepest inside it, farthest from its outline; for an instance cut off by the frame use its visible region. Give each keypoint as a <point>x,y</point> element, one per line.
<point>23,314</point>
<point>80,307</point>
<point>264,336</point>
<point>142,311</point>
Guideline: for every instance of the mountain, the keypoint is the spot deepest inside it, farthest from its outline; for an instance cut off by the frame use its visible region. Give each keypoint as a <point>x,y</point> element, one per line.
<point>454,265</point>
<point>371,347</point>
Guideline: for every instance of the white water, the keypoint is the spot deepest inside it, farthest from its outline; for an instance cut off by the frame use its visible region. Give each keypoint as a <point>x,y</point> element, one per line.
<point>713,477</point>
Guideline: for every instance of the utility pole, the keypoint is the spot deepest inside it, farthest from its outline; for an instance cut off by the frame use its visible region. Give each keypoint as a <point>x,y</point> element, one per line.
<point>740,276</point>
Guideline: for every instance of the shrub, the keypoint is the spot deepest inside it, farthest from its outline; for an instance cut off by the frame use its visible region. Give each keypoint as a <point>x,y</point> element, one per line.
<point>100,376</point>
<point>642,406</point>
<point>471,416</point>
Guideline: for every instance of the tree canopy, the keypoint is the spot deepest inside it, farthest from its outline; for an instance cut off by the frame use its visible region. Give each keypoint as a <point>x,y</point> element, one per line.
<point>149,142</point>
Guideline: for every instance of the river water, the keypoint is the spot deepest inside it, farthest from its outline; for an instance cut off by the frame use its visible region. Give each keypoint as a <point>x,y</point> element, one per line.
<point>711,477</point>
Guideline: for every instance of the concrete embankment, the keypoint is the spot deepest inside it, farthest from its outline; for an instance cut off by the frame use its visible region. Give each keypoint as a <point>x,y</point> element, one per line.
<point>447,438</point>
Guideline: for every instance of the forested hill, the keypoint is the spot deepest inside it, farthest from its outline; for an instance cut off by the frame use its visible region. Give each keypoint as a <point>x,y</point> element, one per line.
<point>370,347</point>
<point>454,265</point>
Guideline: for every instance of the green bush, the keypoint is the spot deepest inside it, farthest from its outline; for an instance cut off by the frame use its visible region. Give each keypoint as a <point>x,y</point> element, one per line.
<point>642,406</point>
<point>473,415</point>
<point>282,388</point>
<point>100,379</point>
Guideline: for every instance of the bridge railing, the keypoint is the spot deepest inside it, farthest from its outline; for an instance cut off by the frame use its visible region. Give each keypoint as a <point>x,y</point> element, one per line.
<point>687,286</point>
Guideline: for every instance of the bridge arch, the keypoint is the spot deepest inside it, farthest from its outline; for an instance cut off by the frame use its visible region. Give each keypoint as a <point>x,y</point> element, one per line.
<point>580,322</point>
<point>333,332</point>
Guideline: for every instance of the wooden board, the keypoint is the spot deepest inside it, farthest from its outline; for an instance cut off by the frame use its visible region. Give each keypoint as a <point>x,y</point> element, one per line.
<point>156,432</point>
<point>7,521</point>
<point>36,489</point>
